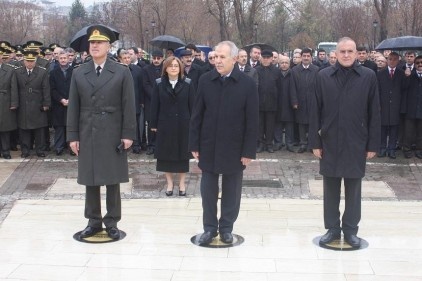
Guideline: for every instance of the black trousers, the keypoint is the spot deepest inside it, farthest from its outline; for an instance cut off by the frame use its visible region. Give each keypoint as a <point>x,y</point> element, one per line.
<point>352,211</point>
<point>25,137</point>
<point>266,127</point>
<point>390,132</point>
<point>93,206</point>
<point>413,133</point>
<point>5,143</point>
<point>303,135</point>
<point>230,200</point>
<point>59,137</point>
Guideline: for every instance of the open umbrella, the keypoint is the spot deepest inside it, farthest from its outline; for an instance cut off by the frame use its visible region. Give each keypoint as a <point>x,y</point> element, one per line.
<point>401,43</point>
<point>263,46</point>
<point>167,42</point>
<point>79,42</point>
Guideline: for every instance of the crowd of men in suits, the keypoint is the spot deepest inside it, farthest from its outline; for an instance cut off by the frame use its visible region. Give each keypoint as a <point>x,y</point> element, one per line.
<point>35,83</point>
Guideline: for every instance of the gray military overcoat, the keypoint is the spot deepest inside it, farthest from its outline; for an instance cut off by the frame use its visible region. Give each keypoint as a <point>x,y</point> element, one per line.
<point>8,98</point>
<point>101,112</point>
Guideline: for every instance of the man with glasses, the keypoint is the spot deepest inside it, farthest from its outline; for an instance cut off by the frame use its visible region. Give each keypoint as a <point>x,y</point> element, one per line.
<point>210,64</point>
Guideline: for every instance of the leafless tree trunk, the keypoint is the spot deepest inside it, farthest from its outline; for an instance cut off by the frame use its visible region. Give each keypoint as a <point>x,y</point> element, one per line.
<point>382,7</point>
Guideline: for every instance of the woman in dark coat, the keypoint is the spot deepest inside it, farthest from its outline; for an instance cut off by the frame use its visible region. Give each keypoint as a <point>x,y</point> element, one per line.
<point>171,108</point>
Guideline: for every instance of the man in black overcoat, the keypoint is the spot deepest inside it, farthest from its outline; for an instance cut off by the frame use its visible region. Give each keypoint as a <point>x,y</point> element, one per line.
<point>302,86</point>
<point>223,134</point>
<point>344,131</point>
<point>150,73</point>
<point>392,88</point>
<point>60,78</point>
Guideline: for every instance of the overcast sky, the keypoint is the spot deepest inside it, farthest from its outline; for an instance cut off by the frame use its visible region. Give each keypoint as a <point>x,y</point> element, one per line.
<point>86,3</point>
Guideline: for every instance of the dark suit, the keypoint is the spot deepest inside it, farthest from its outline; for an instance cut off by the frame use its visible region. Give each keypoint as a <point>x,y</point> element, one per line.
<point>100,114</point>
<point>8,98</point>
<point>34,94</point>
<point>369,64</point>
<point>59,86</point>
<point>413,107</point>
<point>391,91</point>
<point>251,72</point>
<point>136,72</point>
<point>195,72</point>
<point>223,129</point>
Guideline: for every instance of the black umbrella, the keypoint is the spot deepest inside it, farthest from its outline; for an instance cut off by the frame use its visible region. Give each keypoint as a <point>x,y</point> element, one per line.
<point>263,46</point>
<point>401,43</point>
<point>167,42</point>
<point>80,43</point>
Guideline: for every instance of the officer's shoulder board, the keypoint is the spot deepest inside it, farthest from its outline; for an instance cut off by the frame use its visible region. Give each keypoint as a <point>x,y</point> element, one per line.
<point>41,67</point>
<point>12,66</point>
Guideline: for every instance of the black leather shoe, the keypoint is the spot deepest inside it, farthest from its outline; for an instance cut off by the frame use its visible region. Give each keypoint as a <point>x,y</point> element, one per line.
<point>169,192</point>
<point>72,153</point>
<point>182,193</point>
<point>290,148</point>
<point>40,154</point>
<point>7,156</point>
<point>382,153</point>
<point>150,151</point>
<point>90,231</point>
<point>329,237</point>
<point>113,232</point>
<point>419,154</point>
<point>136,150</point>
<point>260,148</point>
<point>408,154</point>
<point>226,237</point>
<point>301,149</point>
<point>14,148</point>
<point>59,152</point>
<point>270,149</point>
<point>24,155</point>
<point>207,237</point>
<point>352,240</point>
<point>392,154</point>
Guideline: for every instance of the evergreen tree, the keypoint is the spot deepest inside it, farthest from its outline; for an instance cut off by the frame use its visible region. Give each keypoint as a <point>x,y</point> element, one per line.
<point>77,17</point>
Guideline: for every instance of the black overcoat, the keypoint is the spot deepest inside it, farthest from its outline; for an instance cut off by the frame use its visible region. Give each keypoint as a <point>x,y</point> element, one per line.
<point>285,112</point>
<point>345,120</point>
<point>171,110</point>
<point>269,87</point>
<point>224,123</point>
<point>302,88</point>
<point>149,74</point>
<point>34,93</point>
<point>59,87</point>
<point>391,92</point>
<point>194,74</point>
<point>101,112</point>
<point>136,72</point>
<point>8,98</point>
<point>414,97</point>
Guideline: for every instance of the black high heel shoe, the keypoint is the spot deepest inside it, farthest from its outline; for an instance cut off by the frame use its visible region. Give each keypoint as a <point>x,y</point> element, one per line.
<point>169,192</point>
<point>182,192</point>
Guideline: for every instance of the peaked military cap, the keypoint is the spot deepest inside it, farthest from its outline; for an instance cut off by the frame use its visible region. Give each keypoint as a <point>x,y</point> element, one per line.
<point>30,55</point>
<point>100,33</point>
<point>33,45</point>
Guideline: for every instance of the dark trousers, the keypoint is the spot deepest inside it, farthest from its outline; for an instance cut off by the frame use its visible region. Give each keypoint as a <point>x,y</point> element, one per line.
<point>25,137</point>
<point>413,127</point>
<point>288,128</point>
<point>93,206</point>
<point>390,133</point>
<point>230,200</point>
<point>139,129</point>
<point>352,210</point>
<point>59,137</point>
<point>5,143</point>
<point>266,127</point>
<point>303,135</point>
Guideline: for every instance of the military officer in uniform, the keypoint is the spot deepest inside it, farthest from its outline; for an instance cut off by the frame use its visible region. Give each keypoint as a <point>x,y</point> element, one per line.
<point>34,102</point>
<point>101,125</point>
<point>9,102</point>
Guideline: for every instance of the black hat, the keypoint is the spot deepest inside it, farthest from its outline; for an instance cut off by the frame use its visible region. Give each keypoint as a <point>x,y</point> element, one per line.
<point>100,33</point>
<point>47,51</point>
<point>266,53</point>
<point>185,53</point>
<point>53,46</point>
<point>30,55</point>
<point>4,44</point>
<point>157,53</point>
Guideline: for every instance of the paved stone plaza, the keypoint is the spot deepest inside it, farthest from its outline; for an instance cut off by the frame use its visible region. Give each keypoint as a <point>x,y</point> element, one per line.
<point>41,207</point>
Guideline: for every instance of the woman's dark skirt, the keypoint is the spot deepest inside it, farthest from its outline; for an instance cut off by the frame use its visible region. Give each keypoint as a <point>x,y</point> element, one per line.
<point>181,166</point>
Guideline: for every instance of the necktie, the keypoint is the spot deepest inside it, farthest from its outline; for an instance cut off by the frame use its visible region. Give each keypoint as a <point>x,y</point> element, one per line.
<point>29,73</point>
<point>223,78</point>
<point>253,64</point>
<point>391,73</point>
<point>242,68</point>
<point>420,75</point>
<point>98,70</point>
